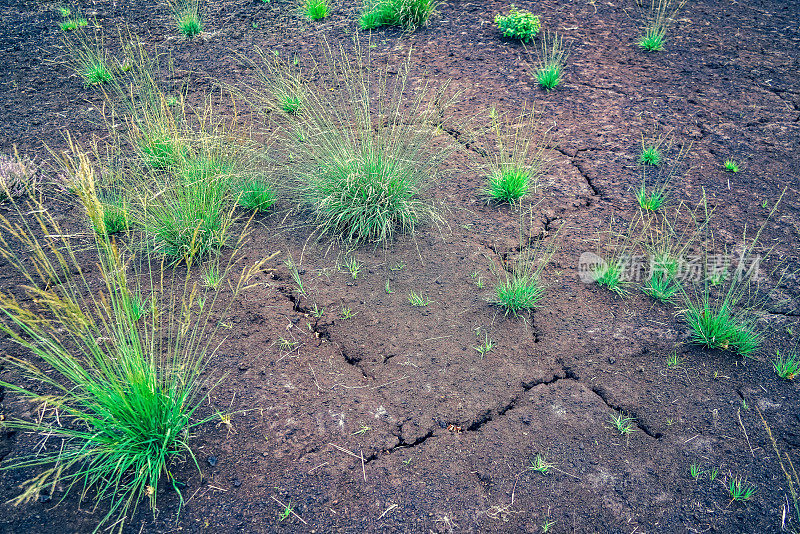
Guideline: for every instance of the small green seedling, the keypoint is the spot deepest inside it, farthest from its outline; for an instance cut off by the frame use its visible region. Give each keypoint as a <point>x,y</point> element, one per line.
<point>695,471</point>
<point>508,185</point>
<point>353,266</point>
<point>518,24</point>
<point>610,275</point>
<point>64,11</point>
<point>547,525</point>
<point>484,347</point>
<point>346,312</point>
<point>477,279</point>
<point>388,289</point>
<point>540,465</point>
<point>286,512</point>
<point>189,23</point>
<point>317,312</point>
<point>650,200</point>
<point>363,429</point>
<point>712,475</point>
<point>622,423</point>
<point>552,60</point>
<point>674,360</point>
<point>287,345</point>
<point>740,489</point>
<point>786,366</point>
<point>397,266</point>
<point>730,165</point>
<point>292,266</point>
<point>417,299</point>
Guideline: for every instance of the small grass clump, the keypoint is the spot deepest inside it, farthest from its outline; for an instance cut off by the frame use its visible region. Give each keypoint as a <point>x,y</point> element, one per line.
<point>187,17</point>
<point>650,155</point>
<point>407,13</point>
<point>508,185</point>
<point>661,284</point>
<point>552,60</point>
<point>519,292</point>
<point>730,165</point>
<point>739,489</point>
<point>650,199</point>
<point>88,58</point>
<point>418,299</point>
<point>715,324</point>
<point>115,215</point>
<point>518,24</point>
<point>610,274</point>
<point>256,194</point>
<point>540,465</point>
<point>96,72</point>
<point>518,163</point>
<point>73,23</point>
<point>316,9</point>
<point>786,366</point>
<point>660,16</point>
<point>623,424</point>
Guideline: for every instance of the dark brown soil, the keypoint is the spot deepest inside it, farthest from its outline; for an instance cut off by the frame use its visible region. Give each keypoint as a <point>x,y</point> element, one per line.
<point>451,433</point>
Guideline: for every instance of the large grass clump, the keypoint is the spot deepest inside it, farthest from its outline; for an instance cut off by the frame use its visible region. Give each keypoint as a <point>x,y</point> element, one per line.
<point>406,13</point>
<point>119,383</point>
<point>362,156</point>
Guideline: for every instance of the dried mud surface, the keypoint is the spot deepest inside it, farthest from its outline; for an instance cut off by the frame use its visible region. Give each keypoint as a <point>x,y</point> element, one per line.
<point>450,432</point>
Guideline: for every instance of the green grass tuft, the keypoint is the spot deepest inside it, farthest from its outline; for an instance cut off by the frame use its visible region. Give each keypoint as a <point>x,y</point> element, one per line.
<point>552,58</point>
<point>659,18</point>
<point>519,292</point>
<point>740,489</point>
<point>407,13</point>
<point>650,200</point>
<point>96,72</point>
<point>73,24</point>
<point>730,165</point>
<point>189,25</point>
<point>786,366</point>
<point>518,24</point>
<point>714,324</point>
<point>256,194</point>
<point>316,9</point>
<point>651,155</point>
<point>652,40</point>
<point>508,185</point>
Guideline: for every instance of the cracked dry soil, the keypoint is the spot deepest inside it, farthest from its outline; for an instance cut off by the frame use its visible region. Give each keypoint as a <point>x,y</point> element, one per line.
<point>451,432</point>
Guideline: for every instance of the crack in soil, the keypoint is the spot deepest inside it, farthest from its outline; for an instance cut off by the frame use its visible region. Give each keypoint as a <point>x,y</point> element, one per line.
<point>601,392</point>
<point>581,170</point>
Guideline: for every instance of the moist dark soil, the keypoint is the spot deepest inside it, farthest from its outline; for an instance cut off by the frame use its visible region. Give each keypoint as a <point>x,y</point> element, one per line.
<point>390,420</point>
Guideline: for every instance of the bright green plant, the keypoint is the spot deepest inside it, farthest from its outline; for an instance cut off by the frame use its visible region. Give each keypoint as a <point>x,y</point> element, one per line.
<point>187,17</point>
<point>486,346</point>
<point>520,291</point>
<point>362,177</point>
<point>115,215</point>
<point>64,11</point>
<point>256,194</point>
<point>650,199</point>
<point>786,366</point>
<point>73,23</point>
<point>740,489</point>
<point>657,21</point>
<point>552,60</point>
<point>650,155</point>
<point>540,465</point>
<point>518,24</point>
<point>611,275</point>
<point>316,9</point>
<point>417,299</point>
<point>352,266</point>
<point>295,273</point>
<point>212,277</point>
<point>731,166</point>
<point>517,164</point>
<point>123,388</point>
<point>674,360</point>
<point>87,57</point>
<point>407,13</point>
<point>622,423</point>
<point>695,472</point>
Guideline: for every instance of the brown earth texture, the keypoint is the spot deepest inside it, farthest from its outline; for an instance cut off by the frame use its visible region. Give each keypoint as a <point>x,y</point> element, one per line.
<point>390,420</point>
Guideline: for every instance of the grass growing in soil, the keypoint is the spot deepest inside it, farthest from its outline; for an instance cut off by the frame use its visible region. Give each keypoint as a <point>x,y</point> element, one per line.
<point>660,16</point>
<point>316,9</point>
<point>552,60</point>
<point>740,489</point>
<point>360,175</point>
<point>651,155</point>
<point>73,23</point>
<point>187,17</point>
<point>119,388</point>
<point>518,24</point>
<point>518,163</point>
<point>256,194</point>
<point>87,58</point>
<point>406,13</point>
<point>730,165</point>
<point>786,366</point>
